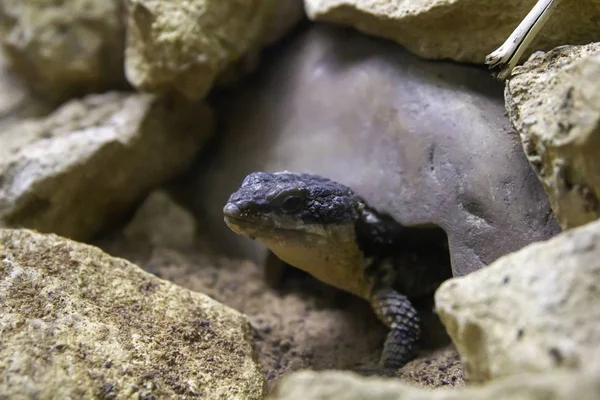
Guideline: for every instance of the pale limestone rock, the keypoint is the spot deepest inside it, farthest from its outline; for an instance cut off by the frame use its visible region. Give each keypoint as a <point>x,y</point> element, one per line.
<point>65,48</point>
<point>160,221</point>
<point>186,45</point>
<point>76,323</point>
<point>530,311</point>
<point>463,30</point>
<point>334,385</point>
<point>553,102</point>
<point>74,171</point>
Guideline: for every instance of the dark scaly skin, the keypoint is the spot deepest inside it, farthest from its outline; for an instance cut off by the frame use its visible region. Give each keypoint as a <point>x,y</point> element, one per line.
<point>397,313</point>
<point>331,233</point>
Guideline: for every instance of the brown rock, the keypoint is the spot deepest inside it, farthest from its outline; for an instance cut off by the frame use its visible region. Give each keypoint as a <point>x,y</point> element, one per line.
<point>533,310</point>
<point>65,48</point>
<point>186,45</point>
<point>554,103</point>
<point>346,386</point>
<point>462,30</point>
<point>77,323</point>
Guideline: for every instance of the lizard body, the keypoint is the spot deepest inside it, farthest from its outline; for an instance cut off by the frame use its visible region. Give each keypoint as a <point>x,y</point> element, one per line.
<point>325,229</point>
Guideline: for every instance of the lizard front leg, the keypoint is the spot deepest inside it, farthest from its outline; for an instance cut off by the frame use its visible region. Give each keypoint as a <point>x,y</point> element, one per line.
<point>397,313</point>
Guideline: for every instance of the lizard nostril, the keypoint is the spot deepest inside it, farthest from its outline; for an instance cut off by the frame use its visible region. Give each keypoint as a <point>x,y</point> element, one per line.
<point>231,210</point>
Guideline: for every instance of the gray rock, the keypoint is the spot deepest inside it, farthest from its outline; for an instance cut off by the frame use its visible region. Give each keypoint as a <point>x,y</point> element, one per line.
<point>554,103</point>
<point>65,48</point>
<point>426,141</point>
<point>186,45</point>
<point>346,386</point>
<point>79,324</point>
<point>160,221</point>
<point>462,30</point>
<point>533,310</point>
<point>73,172</point>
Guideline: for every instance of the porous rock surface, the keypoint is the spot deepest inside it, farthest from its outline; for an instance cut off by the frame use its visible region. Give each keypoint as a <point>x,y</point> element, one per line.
<point>74,171</point>
<point>185,45</point>
<point>347,386</point>
<point>78,323</point>
<point>462,30</point>
<point>65,48</point>
<point>533,310</point>
<point>553,101</point>
<point>425,141</point>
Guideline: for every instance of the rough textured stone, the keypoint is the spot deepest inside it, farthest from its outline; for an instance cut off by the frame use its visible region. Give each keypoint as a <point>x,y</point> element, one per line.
<point>533,310</point>
<point>77,323</point>
<point>426,141</point>
<point>346,386</point>
<point>185,45</point>
<point>287,14</point>
<point>65,48</point>
<point>160,221</point>
<point>463,30</point>
<point>554,103</point>
<point>72,172</point>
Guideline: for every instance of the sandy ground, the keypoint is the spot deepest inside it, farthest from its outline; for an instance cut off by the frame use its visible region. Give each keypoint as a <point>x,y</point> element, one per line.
<point>301,324</point>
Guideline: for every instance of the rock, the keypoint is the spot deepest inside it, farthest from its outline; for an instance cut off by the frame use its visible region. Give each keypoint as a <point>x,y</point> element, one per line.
<point>185,45</point>
<point>533,310</point>
<point>16,101</point>
<point>78,323</point>
<point>425,141</point>
<point>287,15</point>
<point>440,368</point>
<point>347,386</point>
<point>74,171</point>
<point>283,18</point>
<point>160,221</point>
<point>66,48</point>
<point>554,103</point>
<point>462,30</point>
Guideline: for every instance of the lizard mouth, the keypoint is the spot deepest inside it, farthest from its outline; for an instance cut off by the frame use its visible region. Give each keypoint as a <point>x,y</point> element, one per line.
<point>268,228</point>
<point>263,229</point>
<point>241,224</point>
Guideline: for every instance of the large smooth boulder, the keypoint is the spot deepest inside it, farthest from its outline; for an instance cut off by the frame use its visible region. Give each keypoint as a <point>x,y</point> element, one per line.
<point>425,141</point>
<point>553,101</point>
<point>462,30</point>
<point>86,164</point>
<point>531,311</point>
<point>78,323</point>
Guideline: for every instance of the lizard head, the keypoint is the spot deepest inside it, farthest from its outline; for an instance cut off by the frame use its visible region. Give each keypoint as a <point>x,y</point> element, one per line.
<point>288,206</point>
<point>308,221</point>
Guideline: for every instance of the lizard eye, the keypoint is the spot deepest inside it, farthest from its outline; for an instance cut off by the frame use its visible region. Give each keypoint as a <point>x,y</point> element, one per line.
<point>291,204</point>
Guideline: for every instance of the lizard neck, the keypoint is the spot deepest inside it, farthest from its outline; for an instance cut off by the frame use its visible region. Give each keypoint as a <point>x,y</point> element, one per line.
<point>335,259</point>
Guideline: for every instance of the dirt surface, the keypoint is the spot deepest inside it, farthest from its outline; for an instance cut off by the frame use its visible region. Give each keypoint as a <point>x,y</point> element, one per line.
<point>304,324</point>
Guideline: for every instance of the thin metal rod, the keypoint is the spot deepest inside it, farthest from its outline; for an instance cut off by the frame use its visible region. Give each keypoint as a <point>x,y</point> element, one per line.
<point>508,55</point>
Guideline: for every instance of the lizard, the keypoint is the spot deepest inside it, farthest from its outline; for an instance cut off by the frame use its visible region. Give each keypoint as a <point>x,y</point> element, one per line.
<point>322,227</point>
